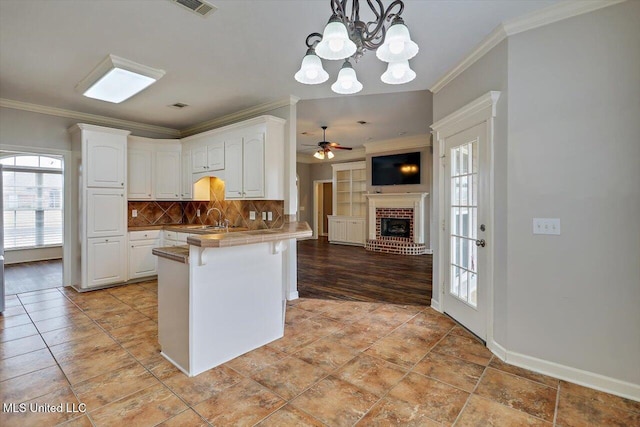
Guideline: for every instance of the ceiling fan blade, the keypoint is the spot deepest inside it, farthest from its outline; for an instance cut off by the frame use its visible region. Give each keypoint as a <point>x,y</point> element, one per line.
<point>339,147</point>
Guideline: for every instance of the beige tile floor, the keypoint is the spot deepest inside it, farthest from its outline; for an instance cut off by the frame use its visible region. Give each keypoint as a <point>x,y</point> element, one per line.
<point>340,364</point>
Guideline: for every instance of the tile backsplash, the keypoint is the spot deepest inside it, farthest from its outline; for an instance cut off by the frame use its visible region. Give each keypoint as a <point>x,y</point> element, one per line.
<point>236,211</point>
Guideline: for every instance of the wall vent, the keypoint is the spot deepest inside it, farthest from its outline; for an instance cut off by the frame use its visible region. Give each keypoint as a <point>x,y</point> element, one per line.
<point>178,105</point>
<point>197,6</point>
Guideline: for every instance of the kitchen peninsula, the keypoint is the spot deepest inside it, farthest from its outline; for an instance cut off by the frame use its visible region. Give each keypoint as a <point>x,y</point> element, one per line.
<point>222,295</point>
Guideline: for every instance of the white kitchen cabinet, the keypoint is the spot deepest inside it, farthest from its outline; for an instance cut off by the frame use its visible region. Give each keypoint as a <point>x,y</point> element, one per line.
<point>99,245</point>
<point>142,262</point>
<point>186,191</point>
<point>234,174</point>
<point>105,214</point>
<point>140,172</point>
<point>207,155</point>
<point>168,179</point>
<point>244,157</point>
<point>106,261</point>
<point>346,230</point>
<point>105,158</point>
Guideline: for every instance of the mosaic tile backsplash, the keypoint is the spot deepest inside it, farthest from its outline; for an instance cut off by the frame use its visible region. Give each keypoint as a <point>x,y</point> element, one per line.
<point>236,211</point>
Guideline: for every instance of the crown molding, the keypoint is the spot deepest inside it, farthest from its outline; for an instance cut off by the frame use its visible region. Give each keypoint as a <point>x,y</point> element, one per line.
<point>239,115</point>
<point>539,18</point>
<point>411,142</point>
<point>86,117</point>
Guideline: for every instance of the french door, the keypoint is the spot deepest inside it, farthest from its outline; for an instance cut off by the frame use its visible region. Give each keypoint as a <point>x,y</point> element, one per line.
<point>465,178</point>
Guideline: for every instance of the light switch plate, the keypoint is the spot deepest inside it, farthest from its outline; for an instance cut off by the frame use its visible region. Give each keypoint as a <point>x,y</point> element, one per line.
<point>264,216</point>
<point>269,216</point>
<point>252,215</point>
<point>546,226</point>
<point>134,213</point>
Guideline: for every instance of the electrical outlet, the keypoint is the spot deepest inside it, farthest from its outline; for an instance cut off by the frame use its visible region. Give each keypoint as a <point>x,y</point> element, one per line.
<point>198,213</point>
<point>546,226</point>
<point>269,216</point>
<point>301,208</point>
<point>134,213</point>
<point>252,215</point>
<point>264,216</point>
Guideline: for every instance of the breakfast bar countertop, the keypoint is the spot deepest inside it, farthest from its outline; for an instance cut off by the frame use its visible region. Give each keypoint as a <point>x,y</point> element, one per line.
<point>291,230</point>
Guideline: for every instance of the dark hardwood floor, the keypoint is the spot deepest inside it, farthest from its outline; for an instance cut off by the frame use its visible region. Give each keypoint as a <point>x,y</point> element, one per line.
<point>32,276</point>
<point>353,273</point>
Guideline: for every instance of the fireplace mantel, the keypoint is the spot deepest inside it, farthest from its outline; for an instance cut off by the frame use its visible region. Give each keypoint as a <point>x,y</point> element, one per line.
<point>398,200</point>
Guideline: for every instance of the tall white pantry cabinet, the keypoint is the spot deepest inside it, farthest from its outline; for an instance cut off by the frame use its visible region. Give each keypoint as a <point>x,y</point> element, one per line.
<point>99,243</point>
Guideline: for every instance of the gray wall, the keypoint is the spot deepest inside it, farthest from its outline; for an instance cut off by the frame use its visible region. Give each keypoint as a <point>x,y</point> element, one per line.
<point>570,151</point>
<point>305,185</point>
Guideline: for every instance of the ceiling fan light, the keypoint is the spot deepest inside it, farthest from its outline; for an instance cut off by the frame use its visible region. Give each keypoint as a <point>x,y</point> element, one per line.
<point>398,73</point>
<point>330,155</point>
<point>347,82</point>
<point>311,71</point>
<point>335,43</point>
<point>397,45</point>
<point>319,155</point>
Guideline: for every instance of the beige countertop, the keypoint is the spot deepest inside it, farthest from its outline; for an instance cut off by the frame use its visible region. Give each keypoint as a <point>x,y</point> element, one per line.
<point>292,230</point>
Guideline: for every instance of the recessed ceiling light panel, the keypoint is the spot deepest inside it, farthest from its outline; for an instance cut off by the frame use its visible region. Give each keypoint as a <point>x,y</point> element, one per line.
<point>117,79</point>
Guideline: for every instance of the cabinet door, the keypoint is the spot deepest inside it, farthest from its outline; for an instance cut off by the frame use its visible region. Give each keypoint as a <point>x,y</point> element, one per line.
<point>105,212</point>
<point>106,159</point>
<point>168,177</point>
<point>355,232</point>
<point>337,230</point>
<point>187,185</point>
<point>233,169</point>
<point>199,159</point>
<point>139,178</point>
<point>106,261</point>
<point>253,165</point>
<point>215,156</point>
<point>142,262</point>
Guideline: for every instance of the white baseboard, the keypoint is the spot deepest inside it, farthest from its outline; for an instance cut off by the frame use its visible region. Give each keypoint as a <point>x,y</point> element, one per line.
<point>435,304</point>
<point>567,373</point>
<point>293,295</point>
<point>429,252</point>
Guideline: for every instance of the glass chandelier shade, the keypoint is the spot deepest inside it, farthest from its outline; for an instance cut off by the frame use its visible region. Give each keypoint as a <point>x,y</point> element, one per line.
<point>311,71</point>
<point>335,43</point>
<point>397,45</point>
<point>398,73</point>
<point>347,82</point>
<point>319,155</point>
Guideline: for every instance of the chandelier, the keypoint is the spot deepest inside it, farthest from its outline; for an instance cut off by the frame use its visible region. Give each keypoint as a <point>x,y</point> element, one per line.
<point>346,38</point>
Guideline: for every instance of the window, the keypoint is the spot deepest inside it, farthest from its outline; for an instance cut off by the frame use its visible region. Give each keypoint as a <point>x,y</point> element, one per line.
<point>32,196</point>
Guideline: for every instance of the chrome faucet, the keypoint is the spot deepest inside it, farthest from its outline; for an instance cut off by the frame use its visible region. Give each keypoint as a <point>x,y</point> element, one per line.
<point>220,216</point>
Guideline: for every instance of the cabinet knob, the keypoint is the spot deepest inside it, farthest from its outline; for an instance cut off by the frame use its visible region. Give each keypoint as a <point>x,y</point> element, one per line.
<point>240,193</point>
<point>149,195</point>
<point>106,240</point>
<point>122,184</point>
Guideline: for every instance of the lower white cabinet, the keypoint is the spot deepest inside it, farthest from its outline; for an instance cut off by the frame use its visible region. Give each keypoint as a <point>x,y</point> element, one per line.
<point>106,261</point>
<point>142,262</point>
<point>347,230</point>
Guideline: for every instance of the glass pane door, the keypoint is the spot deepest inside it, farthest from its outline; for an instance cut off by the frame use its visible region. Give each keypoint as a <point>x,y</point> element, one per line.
<point>463,283</point>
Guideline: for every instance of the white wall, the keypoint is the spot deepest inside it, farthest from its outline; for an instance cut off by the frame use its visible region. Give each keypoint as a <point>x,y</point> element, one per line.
<point>571,151</point>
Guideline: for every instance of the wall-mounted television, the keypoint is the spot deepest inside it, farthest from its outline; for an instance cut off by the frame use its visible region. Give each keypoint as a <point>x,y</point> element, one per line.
<point>396,169</point>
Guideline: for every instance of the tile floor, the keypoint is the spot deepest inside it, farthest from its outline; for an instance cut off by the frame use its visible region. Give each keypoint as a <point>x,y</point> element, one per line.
<point>340,364</point>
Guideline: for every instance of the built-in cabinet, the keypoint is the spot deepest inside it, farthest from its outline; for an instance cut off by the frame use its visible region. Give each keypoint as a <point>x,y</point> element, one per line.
<point>142,262</point>
<point>252,165</point>
<point>154,169</point>
<point>100,247</point>
<point>348,222</point>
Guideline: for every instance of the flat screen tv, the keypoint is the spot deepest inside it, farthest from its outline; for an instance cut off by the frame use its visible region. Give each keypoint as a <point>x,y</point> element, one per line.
<point>396,169</point>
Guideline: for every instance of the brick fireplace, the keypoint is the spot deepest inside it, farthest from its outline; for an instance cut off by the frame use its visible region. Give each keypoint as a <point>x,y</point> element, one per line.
<point>396,223</point>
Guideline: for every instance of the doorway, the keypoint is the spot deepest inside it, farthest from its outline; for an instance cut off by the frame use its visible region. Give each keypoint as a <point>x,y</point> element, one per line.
<point>34,197</point>
<point>322,206</point>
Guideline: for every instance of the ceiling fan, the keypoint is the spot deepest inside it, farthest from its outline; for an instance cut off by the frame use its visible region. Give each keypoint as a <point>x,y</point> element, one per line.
<point>326,146</point>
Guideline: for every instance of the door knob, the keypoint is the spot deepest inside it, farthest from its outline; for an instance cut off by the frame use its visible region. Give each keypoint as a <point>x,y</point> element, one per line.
<point>481,242</point>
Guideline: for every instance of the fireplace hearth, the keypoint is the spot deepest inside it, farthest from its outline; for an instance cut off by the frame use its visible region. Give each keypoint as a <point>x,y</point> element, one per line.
<point>395,227</point>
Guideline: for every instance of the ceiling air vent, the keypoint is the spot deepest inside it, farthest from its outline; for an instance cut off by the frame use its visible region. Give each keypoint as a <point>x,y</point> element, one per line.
<point>178,105</point>
<point>197,6</point>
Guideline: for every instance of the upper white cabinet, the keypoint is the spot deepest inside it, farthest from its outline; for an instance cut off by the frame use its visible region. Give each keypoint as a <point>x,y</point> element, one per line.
<point>106,210</point>
<point>168,179</point>
<point>186,191</point>
<point>254,159</point>
<point>207,155</point>
<point>105,158</point>
<point>154,169</point>
<point>140,167</point>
